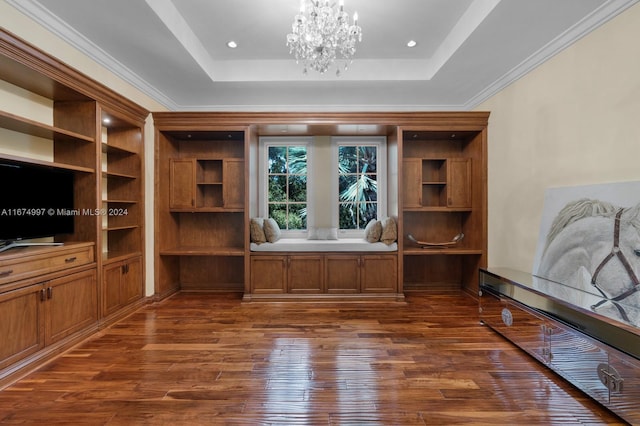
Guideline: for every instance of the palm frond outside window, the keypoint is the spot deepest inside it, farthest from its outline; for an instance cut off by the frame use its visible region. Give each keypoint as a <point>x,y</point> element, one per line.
<point>357,185</point>
<point>287,186</point>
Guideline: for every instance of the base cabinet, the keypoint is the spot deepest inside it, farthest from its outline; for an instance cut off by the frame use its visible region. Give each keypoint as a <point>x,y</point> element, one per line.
<point>45,313</point>
<point>122,284</point>
<point>305,274</point>
<point>318,274</point>
<point>379,274</point>
<point>21,323</point>
<point>268,274</point>
<point>343,274</point>
<point>70,305</point>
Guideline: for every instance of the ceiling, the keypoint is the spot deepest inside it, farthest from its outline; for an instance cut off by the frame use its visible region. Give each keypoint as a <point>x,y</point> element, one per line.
<point>175,50</point>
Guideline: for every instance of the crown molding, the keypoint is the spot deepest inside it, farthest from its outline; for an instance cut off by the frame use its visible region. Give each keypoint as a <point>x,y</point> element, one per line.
<point>597,18</point>
<point>45,18</point>
<point>41,15</point>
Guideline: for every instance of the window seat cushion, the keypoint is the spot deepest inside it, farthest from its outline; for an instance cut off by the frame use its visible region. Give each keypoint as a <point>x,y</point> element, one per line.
<point>340,245</point>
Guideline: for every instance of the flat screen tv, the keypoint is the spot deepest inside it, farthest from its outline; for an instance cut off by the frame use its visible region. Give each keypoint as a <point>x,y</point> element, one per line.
<point>35,201</point>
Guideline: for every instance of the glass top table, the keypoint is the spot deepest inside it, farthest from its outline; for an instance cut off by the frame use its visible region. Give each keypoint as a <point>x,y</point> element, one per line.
<point>616,323</point>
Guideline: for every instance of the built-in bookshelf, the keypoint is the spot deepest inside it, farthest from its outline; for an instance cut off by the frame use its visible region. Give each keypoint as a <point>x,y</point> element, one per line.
<point>201,209</point>
<point>54,120</point>
<point>443,199</point>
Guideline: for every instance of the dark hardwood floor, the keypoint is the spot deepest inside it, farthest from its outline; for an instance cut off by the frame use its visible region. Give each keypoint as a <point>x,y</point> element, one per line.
<point>210,359</point>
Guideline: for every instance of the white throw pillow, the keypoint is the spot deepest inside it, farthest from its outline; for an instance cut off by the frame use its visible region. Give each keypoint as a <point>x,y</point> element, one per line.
<point>323,233</point>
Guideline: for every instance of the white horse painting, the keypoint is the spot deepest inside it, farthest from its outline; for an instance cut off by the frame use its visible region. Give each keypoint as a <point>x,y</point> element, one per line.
<point>594,246</point>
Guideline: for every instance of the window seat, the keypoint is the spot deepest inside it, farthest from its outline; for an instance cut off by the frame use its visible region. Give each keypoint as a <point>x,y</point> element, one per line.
<point>340,245</point>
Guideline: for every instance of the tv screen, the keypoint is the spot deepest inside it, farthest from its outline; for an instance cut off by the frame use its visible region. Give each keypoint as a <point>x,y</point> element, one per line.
<point>35,201</point>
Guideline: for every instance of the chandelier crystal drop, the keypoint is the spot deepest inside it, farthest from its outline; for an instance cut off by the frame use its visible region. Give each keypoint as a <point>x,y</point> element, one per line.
<point>321,34</point>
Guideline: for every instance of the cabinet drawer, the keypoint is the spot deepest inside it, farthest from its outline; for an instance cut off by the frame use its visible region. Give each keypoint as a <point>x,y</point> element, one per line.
<point>578,359</point>
<point>522,326</point>
<point>43,261</point>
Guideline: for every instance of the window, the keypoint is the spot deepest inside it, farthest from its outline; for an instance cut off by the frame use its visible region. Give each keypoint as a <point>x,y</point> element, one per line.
<point>361,181</point>
<point>322,181</point>
<point>285,183</point>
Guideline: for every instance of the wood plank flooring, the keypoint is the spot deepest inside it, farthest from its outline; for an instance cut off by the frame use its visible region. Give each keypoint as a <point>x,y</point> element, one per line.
<point>206,359</point>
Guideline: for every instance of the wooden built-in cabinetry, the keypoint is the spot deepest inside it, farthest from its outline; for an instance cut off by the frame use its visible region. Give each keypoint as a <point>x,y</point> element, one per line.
<point>202,220</point>
<point>121,281</point>
<point>121,213</point>
<point>318,274</point>
<point>437,182</point>
<point>46,295</point>
<point>206,191</point>
<point>443,195</point>
<point>53,296</point>
<point>206,184</point>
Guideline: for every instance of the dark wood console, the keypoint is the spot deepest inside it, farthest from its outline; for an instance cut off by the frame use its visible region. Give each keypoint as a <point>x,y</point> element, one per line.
<point>558,326</point>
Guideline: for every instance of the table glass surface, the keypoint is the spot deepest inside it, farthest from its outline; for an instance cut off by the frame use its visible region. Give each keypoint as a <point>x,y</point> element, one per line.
<point>614,322</point>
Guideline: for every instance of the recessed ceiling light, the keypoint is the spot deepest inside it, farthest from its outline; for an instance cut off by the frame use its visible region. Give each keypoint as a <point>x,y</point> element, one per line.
<point>106,120</point>
<point>232,44</point>
<point>412,43</point>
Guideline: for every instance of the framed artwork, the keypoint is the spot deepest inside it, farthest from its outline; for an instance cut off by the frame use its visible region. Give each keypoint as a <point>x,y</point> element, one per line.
<point>590,241</point>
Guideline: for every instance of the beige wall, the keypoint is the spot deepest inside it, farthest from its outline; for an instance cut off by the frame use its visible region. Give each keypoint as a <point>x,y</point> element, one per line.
<point>574,120</point>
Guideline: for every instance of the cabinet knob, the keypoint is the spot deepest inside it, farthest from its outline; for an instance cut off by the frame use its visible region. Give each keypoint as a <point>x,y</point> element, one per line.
<point>49,292</point>
<point>70,259</point>
<point>610,378</point>
<point>6,273</point>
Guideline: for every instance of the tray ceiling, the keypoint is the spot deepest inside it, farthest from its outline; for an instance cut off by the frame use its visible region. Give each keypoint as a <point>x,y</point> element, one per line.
<point>175,50</point>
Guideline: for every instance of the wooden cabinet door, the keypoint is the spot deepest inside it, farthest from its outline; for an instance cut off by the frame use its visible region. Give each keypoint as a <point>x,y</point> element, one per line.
<point>111,275</point>
<point>131,283</point>
<point>122,285</point>
<point>182,185</point>
<point>21,323</point>
<point>459,182</point>
<point>412,182</point>
<point>342,273</point>
<point>71,304</point>
<point>305,274</point>
<point>233,184</point>
<point>379,273</point>
<point>268,274</point>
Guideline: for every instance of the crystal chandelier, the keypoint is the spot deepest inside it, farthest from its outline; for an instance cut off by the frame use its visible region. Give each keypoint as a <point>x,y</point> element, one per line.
<point>322,33</point>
